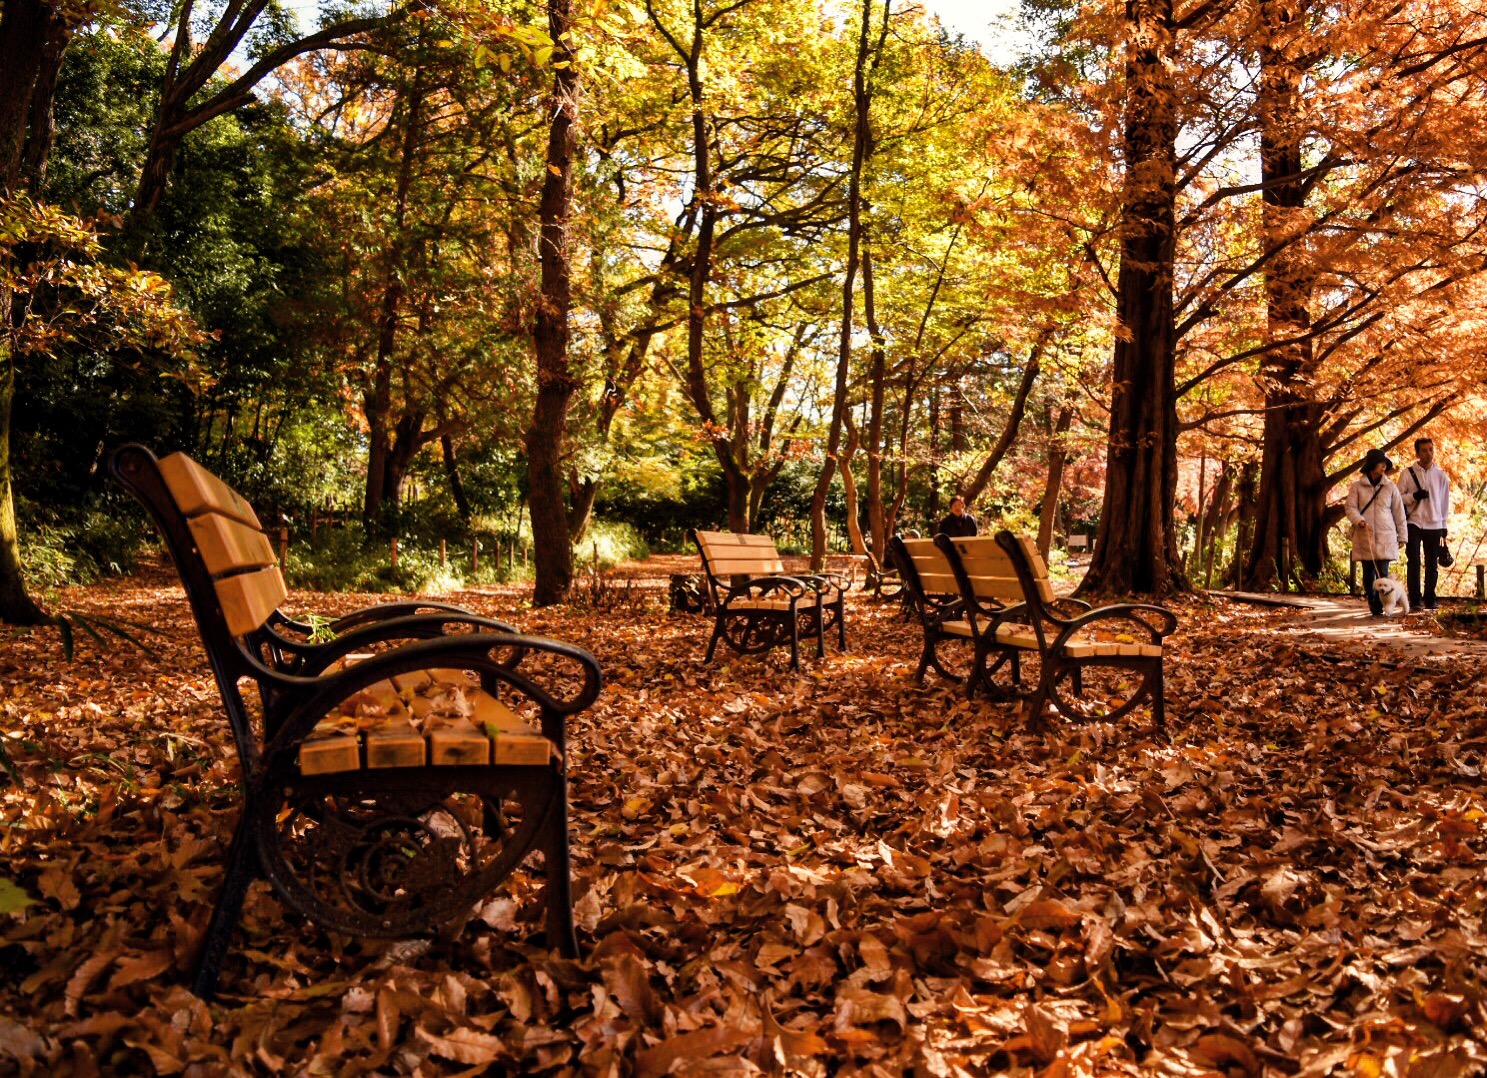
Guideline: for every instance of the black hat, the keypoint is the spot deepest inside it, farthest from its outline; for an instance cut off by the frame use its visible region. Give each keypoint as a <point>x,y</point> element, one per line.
<point>1376,456</point>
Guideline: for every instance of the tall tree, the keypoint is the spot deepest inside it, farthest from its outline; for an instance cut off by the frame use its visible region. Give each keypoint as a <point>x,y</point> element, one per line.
<point>1136,546</point>
<point>868,55</point>
<point>33,38</point>
<point>556,384</point>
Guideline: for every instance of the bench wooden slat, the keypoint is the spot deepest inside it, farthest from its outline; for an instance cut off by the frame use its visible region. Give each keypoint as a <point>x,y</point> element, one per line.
<point>512,738</point>
<point>392,741</point>
<point>227,545</point>
<point>996,587</point>
<point>710,539</point>
<point>197,490</point>
<point>453,740</point>
<point>331,747</point>
<point>249,598</point>
<point>749,566</point>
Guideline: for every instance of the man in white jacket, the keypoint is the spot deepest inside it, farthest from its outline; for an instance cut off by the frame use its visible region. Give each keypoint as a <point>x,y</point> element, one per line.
<point>1427,505</point>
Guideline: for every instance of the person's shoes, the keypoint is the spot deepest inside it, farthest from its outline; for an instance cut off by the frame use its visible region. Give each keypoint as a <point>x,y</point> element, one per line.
<point>1416,603</point>
<point>1431,605</point>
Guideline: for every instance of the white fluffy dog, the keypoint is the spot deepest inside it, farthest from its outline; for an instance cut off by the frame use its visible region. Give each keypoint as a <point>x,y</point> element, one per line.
<point>1392,594</point>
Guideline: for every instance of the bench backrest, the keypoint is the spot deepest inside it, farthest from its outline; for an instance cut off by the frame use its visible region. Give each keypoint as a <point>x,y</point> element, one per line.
<point>924,567</point>
<point>987,572</point>
<point>225,563</point>
<point>230,542</point>
<point>730,554</point>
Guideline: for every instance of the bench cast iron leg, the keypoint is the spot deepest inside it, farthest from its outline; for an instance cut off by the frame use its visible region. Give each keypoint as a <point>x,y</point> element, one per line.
<point>712,644</point>
<point>560,934</point>
<point>794,640</point>
<point>242,868</point>
<point>1159,701</point>
<point>841,625</point>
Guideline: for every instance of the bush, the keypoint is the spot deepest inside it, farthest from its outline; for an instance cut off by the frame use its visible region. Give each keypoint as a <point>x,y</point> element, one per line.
<point>57,550</point>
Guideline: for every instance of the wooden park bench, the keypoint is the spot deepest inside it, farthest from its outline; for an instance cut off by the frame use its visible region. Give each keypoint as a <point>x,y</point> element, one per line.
<point>757,606</point>
<point>395,775</point>
<point>1011,611</point>
<point>931,595</point>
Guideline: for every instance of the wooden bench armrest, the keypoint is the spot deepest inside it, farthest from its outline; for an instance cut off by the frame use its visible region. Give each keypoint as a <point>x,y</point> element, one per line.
<point>316,657</point>
<point>1129,612</point>
<point>468,651</point>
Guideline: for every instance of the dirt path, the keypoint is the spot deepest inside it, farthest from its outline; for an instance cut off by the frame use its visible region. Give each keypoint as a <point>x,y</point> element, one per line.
<point>1347,621</point>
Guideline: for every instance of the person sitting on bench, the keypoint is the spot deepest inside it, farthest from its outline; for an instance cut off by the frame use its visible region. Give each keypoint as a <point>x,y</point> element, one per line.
<point>959,524</point>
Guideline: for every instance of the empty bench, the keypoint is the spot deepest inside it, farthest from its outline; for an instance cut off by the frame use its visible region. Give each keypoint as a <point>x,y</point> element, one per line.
<point>1011,612</point>
<point>402,769</point>
<point>757,606</point>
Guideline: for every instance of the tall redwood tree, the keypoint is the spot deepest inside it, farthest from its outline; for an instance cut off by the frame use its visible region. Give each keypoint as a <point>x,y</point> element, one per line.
<point>1135,547</point>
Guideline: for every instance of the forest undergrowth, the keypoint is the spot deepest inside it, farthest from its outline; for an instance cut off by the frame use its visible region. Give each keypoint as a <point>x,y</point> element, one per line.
<point>830,872</point>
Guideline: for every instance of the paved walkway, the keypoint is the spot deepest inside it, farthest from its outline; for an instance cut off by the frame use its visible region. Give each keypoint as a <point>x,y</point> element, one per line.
<point>1347,621</point>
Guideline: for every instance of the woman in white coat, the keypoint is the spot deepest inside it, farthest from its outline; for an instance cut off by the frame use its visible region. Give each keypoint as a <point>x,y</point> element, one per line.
<point>1376,508</point>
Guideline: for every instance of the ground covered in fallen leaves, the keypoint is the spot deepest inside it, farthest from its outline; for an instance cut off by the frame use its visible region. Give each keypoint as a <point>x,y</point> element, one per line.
<point>830,872</point>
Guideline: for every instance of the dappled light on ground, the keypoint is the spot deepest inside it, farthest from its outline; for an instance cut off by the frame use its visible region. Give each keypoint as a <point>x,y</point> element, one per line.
<point>813,873</point>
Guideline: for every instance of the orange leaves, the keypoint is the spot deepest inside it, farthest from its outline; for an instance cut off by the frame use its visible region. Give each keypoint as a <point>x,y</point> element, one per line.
<point>807,874</point>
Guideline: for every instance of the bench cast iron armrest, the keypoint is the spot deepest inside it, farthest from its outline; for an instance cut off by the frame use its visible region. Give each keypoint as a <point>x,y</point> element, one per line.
<point>1077,606</point>
<point>370,615</point>
<point>469,651</point>
<point>1128,612</point>
<point>821,581</point>
<point>314,658</point>
<point>792,586</point>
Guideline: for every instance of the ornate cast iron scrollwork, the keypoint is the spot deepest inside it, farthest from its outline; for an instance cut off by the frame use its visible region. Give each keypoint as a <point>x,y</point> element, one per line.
<point>396,864</point>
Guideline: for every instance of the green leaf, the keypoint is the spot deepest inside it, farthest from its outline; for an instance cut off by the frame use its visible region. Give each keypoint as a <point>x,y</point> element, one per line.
<point>12,898</point>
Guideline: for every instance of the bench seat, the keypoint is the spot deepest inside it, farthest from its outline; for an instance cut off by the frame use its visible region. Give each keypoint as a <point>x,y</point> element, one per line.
<point>430,718</point>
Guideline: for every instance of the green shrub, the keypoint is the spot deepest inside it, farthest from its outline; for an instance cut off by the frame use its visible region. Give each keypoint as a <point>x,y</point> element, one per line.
<point>57,551</point>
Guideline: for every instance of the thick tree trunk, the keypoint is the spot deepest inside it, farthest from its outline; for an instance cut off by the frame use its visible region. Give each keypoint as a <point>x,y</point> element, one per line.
<point>553,553</point>
<point>1058,454</point>
<point>1136,547</point>
<point>1290,536</point>
<point>33,39</point>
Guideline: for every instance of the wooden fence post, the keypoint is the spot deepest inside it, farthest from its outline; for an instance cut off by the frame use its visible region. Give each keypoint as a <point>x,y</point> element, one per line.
<point>443,556</point>
<point>283,549</point>
<point>394,551</point>
<point>474,555</point>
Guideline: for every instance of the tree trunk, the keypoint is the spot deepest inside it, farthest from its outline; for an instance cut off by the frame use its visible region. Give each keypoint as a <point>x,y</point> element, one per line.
<point>862,146</point>
<point>849,487</point>
<point>1290,532</point>
<point>1008,436</point>
<point>877,521</point>
<point>452,473</point>
<point>1058,454</point>
<point>33,39</point>
<point>377,399</point>
<point>1136,548</point>
<point>552,551</point>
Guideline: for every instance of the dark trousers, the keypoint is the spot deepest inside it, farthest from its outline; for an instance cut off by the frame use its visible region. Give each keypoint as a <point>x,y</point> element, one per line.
<point>1426,542</point>
<point>1372,570</point>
